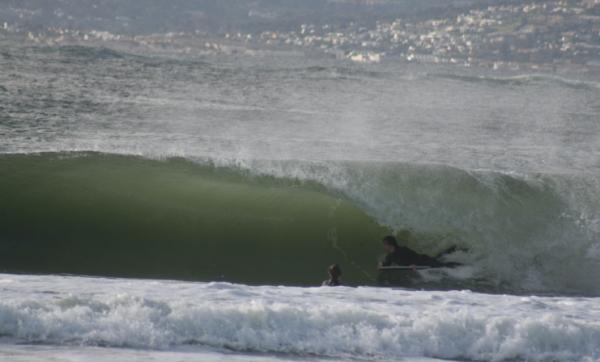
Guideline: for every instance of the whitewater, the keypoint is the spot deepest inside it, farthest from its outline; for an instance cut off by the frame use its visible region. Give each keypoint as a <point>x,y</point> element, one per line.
<point>163,206</point>
<point>169,320</point>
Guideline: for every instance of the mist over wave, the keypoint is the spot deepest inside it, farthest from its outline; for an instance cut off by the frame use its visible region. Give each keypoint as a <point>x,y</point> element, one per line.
<point>290,107</point>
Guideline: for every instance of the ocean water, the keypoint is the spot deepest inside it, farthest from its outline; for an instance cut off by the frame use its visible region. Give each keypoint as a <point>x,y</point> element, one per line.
<point>245,176</point>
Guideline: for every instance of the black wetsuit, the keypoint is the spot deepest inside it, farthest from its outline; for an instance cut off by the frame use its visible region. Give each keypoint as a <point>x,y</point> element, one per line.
<point>404,257</point>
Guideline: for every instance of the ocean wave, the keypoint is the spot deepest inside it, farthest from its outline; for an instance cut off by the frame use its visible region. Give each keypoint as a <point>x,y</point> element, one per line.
<point>106,214</point>
<point>523,80</point>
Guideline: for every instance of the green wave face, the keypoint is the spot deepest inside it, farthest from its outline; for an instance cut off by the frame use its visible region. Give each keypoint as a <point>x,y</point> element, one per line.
<point>127,216</point>
<point>106,214</point>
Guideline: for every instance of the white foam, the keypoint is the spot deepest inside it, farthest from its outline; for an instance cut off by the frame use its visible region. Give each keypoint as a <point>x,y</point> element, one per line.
<point>28,353</point>
<point>340,323</point>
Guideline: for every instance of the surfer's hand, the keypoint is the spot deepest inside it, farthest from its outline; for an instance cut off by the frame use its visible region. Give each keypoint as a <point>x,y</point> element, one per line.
<point>413,267</point>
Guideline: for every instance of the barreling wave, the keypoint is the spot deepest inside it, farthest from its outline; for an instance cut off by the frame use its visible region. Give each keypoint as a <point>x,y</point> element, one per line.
<point>283,222</point>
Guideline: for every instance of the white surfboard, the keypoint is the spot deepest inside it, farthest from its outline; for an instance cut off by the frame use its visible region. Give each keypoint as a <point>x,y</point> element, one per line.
<point>404,267</point>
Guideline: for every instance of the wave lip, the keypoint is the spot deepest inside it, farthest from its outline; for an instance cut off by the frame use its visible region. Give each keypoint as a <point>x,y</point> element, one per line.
<point>337,323</point>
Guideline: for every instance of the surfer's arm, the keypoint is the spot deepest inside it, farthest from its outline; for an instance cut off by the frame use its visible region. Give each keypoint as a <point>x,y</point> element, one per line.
<point>387,261</point>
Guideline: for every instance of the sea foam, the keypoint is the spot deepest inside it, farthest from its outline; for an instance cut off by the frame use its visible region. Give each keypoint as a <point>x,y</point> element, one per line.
<point>373,323</point>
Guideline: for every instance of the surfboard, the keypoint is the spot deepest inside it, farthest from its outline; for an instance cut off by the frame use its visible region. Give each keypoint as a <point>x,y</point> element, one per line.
<point>403,267</point>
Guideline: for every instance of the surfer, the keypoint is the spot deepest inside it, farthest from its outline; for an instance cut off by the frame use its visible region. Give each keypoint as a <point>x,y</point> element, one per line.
<point>402,256</point>
<point>335,272</point>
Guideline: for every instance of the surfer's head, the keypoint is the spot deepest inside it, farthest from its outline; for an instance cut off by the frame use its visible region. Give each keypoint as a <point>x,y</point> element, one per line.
<point>389,243</point>
<point>335,272</point>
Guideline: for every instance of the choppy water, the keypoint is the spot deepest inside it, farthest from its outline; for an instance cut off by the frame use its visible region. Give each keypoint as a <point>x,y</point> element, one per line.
<point>263,168</point>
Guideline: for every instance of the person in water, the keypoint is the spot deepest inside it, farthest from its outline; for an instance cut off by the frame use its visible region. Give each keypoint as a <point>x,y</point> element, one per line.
<point>335,272</point>
<point>403,256</point>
